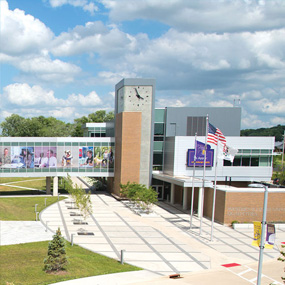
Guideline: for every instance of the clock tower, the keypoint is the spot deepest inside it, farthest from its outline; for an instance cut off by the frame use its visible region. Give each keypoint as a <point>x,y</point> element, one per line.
<point>134,112</point>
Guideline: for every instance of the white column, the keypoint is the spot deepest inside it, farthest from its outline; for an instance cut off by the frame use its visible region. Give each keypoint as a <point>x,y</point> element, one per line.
<point>172,193</point>
<point>200,202</point>
<point>185,196</point>
<point>55,186</point>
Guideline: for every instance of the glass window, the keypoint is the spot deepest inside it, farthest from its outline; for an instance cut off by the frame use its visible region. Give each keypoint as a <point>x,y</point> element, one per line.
<point>255,151</point>
<point>227,163</point>
<point>237,161</point>
<point>264,161</point>
<point>246,151</point>
<point>157,158</point>
<point>265,151</point>
<point>245,161</point>
<point>254,161</point>
<point>158,146</point>
<point>159,115</point>
<point>158,139</point>
<point>159,129</point>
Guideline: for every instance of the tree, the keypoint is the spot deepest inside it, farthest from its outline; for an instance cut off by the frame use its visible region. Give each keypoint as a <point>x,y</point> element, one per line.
<point>81,199</point>
<point>14,126</point>
<point>17,126</point>
<point>142,196</point>
<point>56,259</point>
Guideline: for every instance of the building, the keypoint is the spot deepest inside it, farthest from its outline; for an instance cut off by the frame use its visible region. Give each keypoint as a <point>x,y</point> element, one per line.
<point>155,147</point>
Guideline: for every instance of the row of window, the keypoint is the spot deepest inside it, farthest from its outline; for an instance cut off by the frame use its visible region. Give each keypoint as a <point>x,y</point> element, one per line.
<point>249,161</point>
<point>66,144</point>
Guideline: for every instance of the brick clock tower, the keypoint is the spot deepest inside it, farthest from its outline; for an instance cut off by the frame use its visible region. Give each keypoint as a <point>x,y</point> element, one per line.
<point>134,113</point>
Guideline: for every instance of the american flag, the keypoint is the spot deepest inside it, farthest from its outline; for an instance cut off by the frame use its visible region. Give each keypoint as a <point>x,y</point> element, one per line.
<point>213,134</point>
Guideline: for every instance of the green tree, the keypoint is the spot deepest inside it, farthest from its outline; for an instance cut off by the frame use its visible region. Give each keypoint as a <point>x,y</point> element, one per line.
<point>14,126</point>
<point>142,196</point>
<point>17,126</point>
<point>277,132</point>
<point>100,116</point>
<point>56,259</point>
<point>81,199</point>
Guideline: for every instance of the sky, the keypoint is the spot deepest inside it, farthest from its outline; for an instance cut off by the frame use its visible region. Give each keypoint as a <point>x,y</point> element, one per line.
<point>63,58</point>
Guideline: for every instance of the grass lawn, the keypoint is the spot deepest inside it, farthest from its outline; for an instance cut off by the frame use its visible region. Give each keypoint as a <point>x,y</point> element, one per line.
<point>23,208</point>
<point>23,264</point>
<point>25,182</point>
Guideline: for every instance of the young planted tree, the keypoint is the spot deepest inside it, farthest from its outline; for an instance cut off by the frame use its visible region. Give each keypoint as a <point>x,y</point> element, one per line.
<point>83,202</point>
<point>81,199</point>
<point>56,259</point>
<point>142,196</point>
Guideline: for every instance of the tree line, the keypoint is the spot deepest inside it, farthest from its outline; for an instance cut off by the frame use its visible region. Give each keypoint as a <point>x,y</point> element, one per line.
<point>17,126</point>
<point>277,132</point>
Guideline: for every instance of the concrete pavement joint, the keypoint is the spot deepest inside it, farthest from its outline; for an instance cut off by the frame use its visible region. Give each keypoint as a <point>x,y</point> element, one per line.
<point>149,245</point>
<point>185,252</point>
<point>106,236</point>
<point>223,241</point>
<point>63,221</point>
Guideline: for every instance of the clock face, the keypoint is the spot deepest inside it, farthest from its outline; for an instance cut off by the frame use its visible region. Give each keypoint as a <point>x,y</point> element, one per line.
<point>134,98</point>
<point>138,97</point>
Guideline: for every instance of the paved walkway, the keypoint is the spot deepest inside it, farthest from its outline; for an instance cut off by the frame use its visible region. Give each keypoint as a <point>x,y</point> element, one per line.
<point>161,243</point>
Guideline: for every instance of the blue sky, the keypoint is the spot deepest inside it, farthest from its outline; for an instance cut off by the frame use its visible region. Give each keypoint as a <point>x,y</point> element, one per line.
<point>62,58</point>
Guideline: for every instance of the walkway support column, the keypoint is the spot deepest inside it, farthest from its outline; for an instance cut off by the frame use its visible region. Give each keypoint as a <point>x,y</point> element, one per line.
<point>172,193</point>
<point>185,198</point>
<point>48,185</point>
<point>55,186</point>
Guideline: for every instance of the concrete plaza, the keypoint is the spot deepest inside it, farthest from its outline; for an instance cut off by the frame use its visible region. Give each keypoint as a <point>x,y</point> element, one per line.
<point>161,243</point>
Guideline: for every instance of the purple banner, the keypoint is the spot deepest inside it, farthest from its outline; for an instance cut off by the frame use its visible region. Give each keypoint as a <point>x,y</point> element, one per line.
<point>200,149</point>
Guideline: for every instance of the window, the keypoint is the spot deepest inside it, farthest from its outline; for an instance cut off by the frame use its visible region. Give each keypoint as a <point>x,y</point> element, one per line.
<point>254,161</point>
<point>159,129</point>
<point>157,158</point>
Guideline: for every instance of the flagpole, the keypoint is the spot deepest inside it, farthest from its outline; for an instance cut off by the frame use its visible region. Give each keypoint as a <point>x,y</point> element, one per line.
<point>215,189</point>
<point>193,176</point>
<point>204,170</point>
<point>283,151</point>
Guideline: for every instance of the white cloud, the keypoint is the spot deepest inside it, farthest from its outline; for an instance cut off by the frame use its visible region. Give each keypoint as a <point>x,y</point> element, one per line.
<point>94,37</point>
<point>47,70</point>
<point>87,6</point>
<point>203,16</point>
<point>20,33</point>
<point>92,99</point>
<point>169,102</point>
<point>221,103</point>
<point>23,95</point>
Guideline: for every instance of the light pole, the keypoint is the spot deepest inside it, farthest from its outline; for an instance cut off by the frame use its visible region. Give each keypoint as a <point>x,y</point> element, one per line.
<point>261,246</point>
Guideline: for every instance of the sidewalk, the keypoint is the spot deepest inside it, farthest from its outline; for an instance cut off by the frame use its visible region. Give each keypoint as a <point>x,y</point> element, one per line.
<point>161,244</point>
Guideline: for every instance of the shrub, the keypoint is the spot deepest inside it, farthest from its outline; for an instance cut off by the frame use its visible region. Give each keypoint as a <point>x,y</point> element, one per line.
<point>56,259</point>
<point>142,196</point>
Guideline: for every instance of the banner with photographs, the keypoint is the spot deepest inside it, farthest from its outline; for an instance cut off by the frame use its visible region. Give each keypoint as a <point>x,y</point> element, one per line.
<point>56,157</point>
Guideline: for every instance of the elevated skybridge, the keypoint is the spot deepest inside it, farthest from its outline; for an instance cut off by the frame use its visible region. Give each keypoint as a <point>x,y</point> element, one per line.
<point>53,157</point>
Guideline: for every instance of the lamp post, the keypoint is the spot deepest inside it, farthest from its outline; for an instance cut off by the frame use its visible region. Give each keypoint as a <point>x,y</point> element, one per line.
<point>261,246</point>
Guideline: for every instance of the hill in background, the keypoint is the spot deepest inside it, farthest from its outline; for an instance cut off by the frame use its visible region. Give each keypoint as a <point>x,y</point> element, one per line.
<point>277,132</point>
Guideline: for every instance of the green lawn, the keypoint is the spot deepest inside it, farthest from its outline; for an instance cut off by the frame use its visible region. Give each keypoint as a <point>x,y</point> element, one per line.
<point>26,182</point>
<point>23,208</point>
<point>23,264</point>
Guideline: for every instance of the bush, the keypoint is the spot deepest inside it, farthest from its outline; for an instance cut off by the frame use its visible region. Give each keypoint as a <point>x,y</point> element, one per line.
<point>56,259</point>
<point>142,196</point>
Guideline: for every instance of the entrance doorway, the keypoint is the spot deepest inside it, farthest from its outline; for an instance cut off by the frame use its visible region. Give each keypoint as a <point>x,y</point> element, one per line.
<point>160,191</point>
